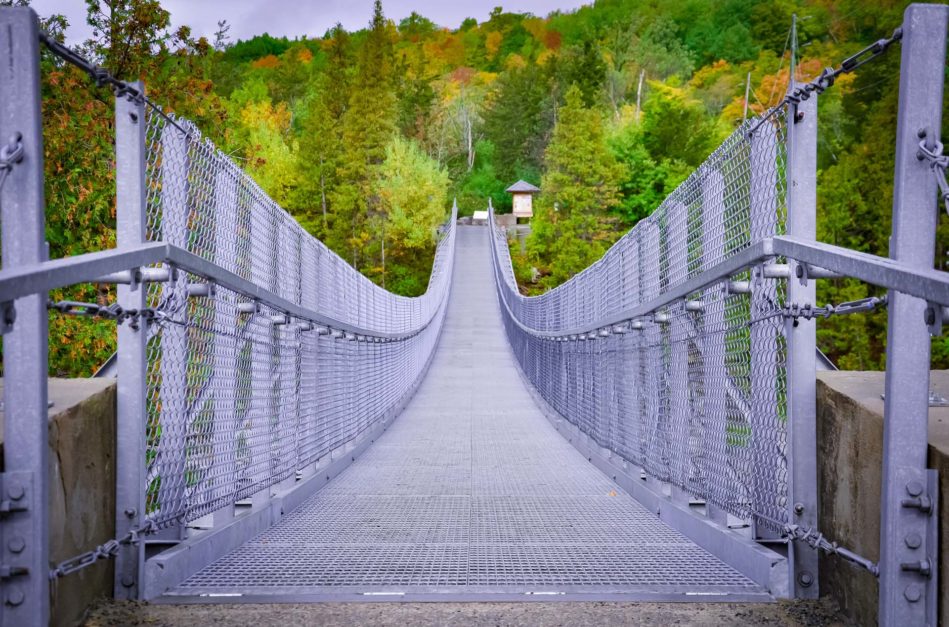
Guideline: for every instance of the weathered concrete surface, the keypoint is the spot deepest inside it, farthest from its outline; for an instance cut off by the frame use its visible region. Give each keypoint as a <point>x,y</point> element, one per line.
<point>850,444</point>
<point>784,614</point>
<point>506,220</point>
<point>82,488</point>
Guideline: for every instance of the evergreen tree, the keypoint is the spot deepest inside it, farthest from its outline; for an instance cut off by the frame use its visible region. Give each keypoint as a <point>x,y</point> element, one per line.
<point>368,125</point>
<point>416,97</point>
<point>583,66</point>
<point>515,122</point>
<point>321,142</point>
<point>677,127</point>
<point>644,181</point>
<point>572,225</point>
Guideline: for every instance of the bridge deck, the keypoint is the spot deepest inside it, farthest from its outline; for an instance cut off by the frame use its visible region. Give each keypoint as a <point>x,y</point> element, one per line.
<point>471,492</point>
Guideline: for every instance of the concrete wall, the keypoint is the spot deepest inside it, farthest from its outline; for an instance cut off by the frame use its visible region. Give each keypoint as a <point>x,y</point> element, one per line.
<point>506,220</point>
<point>850,443</point>
<point>82,489</point>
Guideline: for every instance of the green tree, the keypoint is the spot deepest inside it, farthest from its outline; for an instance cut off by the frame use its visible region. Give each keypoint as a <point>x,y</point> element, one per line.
<point>416,97</point>
<point>126,34</point>
<point>368,126</point>
<point>572,226</point>
<point>583,66</point>
<point>482,182</point>
<point>644,182</point>
<point>412,189</point>
<point>131,38</point>
<point>515,121</point>
<point>415,27</point>
<point>321,139</point>
<point>677,127</point>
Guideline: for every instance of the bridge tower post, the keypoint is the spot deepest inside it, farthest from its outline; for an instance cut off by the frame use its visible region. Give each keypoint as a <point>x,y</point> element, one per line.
<point>131,415</point>
<point>24,484</point>
<point>801,337</point>
<point>908,544</point>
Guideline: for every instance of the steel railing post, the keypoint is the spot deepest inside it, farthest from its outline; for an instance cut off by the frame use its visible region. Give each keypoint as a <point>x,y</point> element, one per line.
<point>25,480</point>
<point>802,346</point>
<point>131,414</point>
<point>908,549</point>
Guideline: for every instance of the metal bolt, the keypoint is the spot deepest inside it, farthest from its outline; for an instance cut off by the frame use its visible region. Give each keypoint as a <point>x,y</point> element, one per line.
<point>913,593</point>
<point>924,567</point>
<point>16,491</point>
<point>923,503</point>
<point>921,133</point>
<point>806,579</point>
<point>915,488</point>
<point>130,512</point>
<point>128,581</point>
<point>914,541</point>
<point>15,597</point>
<point>134,117</point>
<point>16,544</point>
<point>930,316</point>
<point>799,508</point>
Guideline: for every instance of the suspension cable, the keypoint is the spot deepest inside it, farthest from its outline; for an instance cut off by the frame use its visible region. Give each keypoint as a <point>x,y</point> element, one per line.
<point>817,541</point>
<point>830,75</point>
<point>102,77</point>
<point>107,550</point>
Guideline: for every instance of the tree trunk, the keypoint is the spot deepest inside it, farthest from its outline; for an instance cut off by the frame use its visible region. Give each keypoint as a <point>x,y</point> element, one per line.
<point>323,193</point>
<point>470,140</point>
<point>639,94</point>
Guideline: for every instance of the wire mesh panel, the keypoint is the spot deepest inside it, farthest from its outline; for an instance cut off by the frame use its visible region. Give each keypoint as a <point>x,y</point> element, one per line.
<point>693,389</point>
<point>242,395</point>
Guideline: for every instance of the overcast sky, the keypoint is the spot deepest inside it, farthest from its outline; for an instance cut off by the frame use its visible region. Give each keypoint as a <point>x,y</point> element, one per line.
<point>303,17</point>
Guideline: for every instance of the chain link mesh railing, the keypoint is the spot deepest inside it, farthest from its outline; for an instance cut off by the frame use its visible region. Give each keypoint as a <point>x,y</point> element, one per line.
<point>240,395</point>
<point>694,390</point>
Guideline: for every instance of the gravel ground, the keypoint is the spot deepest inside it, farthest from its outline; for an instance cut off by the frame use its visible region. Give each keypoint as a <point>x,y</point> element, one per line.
<point>797,613</point>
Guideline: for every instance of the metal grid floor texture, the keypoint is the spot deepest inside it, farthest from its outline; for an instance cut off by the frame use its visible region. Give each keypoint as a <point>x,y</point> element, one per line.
<point>470,493</point>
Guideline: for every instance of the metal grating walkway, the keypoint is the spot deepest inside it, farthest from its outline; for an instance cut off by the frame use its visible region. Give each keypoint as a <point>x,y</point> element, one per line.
<point>470,493</point>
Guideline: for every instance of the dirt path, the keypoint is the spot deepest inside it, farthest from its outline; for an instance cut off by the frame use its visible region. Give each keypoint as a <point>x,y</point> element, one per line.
<point>782,614</point>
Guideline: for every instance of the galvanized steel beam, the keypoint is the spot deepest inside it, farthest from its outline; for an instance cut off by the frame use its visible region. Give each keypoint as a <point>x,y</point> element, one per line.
<point>908,548</point>
<point>24,484</point>
<point>131,412</point>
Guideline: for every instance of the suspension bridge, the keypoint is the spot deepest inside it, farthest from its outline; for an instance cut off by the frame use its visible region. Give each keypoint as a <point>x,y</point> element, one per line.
<point>287,430</point>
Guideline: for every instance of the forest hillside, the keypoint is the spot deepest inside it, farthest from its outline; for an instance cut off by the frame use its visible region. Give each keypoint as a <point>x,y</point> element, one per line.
<point>366,136</point>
